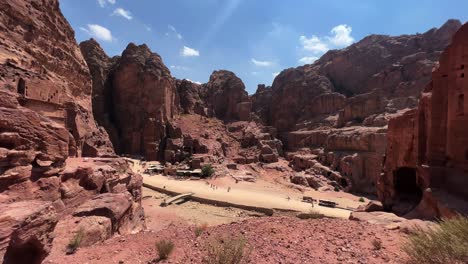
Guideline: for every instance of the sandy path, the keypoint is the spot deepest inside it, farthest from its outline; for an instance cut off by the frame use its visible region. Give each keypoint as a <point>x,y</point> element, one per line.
<point>250,197</point>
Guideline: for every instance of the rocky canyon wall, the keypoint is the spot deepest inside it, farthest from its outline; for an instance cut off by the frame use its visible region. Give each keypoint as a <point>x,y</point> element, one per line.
<point>426,166</point>
<point>137,100</point>
<point>339,106</point>
<point>46,128</point>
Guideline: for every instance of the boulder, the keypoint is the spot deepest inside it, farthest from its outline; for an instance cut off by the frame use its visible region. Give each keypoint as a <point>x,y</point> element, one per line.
<point>26,231</point>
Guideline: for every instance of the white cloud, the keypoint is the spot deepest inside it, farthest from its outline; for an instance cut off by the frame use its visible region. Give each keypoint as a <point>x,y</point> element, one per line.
<point>148,28</point>
<point>314,44</point>
<point>193,81</point>
<point>102,3</point>
<point>189,52</point>
<point>98,32</point>
<point>275,74</point>
<point>174,30</point>
<point>123,13</point>
<point>308,60</point>
<point>261,63</point>
<point>340,37</point>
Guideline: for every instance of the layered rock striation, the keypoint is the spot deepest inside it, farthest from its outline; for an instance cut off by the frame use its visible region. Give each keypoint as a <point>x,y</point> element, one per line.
<point>339,107</point>
<point>426,165</point>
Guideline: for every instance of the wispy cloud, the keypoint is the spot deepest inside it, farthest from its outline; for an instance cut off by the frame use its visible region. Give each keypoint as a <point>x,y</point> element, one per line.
<point>148,28</point>
<point>261,63</point>
<point>189,52</point>
<point>102,3</point>
<point>193,81</point>
<point>123,13</point>
<point>174,31</point>
<point>308,60</point>
<point>340,36</point>
<point>98,31</point>
<point>178,67</point>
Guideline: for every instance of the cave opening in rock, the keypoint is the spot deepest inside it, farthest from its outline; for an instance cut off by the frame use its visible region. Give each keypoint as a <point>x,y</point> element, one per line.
<point>343,182</point>
<point>21,88</point>
<point>406,186</point>
<point>28,253</point>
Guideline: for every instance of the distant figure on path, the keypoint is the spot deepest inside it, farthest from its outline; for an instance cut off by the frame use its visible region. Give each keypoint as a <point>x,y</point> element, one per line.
<point>229,189</point>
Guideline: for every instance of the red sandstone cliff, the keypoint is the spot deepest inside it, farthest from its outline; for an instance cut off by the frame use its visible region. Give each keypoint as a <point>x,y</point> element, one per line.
<point>426,163</point>
<point>45,122</point>
<point>340,106</point>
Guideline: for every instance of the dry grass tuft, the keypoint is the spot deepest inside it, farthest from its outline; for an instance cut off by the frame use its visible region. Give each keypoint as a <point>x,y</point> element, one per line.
<point>164,248</point>
<point>199,229</point>
<point>447,243</point>
<point>230,250</point>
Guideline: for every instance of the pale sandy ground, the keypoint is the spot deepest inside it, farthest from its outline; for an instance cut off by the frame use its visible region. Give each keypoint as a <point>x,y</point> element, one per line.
<point>244,193</point>
<point>188,213</point>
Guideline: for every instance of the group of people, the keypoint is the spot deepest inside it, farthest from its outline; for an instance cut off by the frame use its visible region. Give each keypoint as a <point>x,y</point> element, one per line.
<point>214,187</point>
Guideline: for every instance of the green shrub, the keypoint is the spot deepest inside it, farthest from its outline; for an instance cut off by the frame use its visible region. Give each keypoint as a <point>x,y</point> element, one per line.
<point>199,229</point>
<point>337,189</point>
<point>446,243</point>
<point>164,248</point>
<point>362,200</point>
<point>231,250</point>
<point>75,242</point>
<point>207,170</point>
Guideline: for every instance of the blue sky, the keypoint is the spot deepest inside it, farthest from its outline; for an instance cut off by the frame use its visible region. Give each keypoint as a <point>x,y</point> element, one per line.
<point>256,39</point>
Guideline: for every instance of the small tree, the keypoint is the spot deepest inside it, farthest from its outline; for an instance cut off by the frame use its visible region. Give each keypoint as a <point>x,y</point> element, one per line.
<point>207,170</point>
<point>362,199</point>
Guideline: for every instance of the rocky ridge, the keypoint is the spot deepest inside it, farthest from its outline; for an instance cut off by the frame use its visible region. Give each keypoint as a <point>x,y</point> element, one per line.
<point>339,107</point>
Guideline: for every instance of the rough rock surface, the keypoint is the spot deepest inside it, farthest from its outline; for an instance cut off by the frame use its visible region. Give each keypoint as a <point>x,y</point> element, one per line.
<point>426,162</point>
<point>26,231</point>
<point>46,124</point>
<point>226,96</point>
<point>271,240</point>
<point>340,106</point>
<point>40,60</point>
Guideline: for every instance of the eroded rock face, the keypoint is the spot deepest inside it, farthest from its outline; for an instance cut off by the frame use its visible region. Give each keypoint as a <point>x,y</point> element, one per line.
<point>46,123</point>
<point>143,94</point>
<point>340,105</point>
<point>26,231</point>
<point>226,96</point>
<point>41,61</point>
<point>426,164</point>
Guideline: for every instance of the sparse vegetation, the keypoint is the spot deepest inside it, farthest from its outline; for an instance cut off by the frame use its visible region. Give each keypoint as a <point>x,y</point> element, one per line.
<point>199,229</point>
<point>312,214</point>
<point>377,244</point>
<point>230,250</point>
<point>362,200</point>
<point>164,248</point>
<point>207,170</point>
<point>337,189</point>
<point>75,242</point>
<point>447,243</point>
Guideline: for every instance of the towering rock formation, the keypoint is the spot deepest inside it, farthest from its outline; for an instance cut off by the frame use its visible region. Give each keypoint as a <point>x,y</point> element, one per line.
<point>143,94</point>
<point>41,62</point>
<point>45,123</point>
<point>427,155</point>
<point>226,96</point>
<point>136,99</point>
<point>340,105</point>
